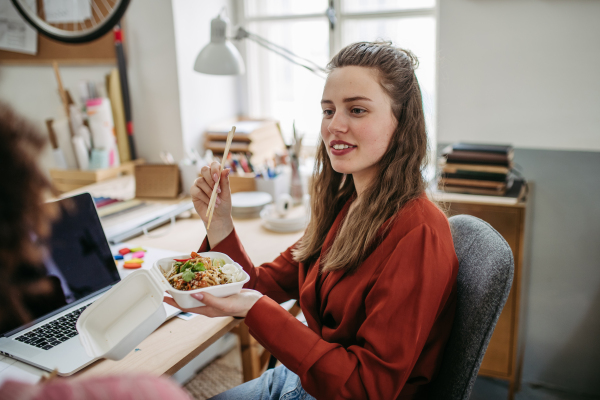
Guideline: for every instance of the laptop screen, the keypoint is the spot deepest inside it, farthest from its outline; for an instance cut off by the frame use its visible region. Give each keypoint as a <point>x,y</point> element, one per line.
<point>77,262</point>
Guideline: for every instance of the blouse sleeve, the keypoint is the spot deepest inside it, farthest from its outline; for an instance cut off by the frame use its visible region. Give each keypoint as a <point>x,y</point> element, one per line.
<point>277,279</point>
<point>413,290</point>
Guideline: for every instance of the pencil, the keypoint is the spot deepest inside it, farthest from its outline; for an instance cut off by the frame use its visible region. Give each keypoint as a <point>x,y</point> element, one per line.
<point>213,197</point>
<point>63,95</point>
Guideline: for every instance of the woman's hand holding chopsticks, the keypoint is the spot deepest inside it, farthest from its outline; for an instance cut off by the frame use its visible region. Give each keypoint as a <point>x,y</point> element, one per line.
<point>222,223</point>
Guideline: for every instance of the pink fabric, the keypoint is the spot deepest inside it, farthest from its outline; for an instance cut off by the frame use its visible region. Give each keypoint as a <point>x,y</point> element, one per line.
<point>132,387</point>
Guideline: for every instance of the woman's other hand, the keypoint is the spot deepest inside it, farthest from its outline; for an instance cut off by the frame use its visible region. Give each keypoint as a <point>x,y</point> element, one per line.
<point>236,305</point>
<point>221,224</point>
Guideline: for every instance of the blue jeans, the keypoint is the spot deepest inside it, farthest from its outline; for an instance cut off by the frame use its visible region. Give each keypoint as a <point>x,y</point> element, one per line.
<point>275,384</point>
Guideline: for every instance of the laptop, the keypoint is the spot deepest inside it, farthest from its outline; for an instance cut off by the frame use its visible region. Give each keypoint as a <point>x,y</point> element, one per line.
<point>80,267</point>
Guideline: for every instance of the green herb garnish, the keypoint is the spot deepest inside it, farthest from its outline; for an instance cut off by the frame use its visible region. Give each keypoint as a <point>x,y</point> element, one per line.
<point>199,267</point>
<point>186,266</point>
<point>188,276</point>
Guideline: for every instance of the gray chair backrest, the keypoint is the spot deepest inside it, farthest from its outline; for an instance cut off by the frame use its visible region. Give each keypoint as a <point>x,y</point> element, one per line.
<point>485,274</point>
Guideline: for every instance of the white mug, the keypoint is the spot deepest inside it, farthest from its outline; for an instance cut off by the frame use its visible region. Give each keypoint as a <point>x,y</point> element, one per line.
<point>283,204</point>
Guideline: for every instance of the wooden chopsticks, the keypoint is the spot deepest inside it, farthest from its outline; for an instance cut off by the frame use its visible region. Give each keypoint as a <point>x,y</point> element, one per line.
<point>213,197</point>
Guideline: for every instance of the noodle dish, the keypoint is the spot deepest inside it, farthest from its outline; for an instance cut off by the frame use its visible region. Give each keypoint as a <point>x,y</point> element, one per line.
<point>198,272</point>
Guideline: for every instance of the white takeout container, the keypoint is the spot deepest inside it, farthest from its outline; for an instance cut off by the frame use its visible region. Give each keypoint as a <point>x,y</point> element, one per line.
<point>130,311</point>
<point>184,297</point>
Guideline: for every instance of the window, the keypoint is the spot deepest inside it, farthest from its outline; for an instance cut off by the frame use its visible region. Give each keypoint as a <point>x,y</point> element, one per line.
<point>287,92</point>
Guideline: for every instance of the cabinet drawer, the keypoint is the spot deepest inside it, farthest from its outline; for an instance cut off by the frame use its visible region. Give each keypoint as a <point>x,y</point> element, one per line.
<point>497,361</point>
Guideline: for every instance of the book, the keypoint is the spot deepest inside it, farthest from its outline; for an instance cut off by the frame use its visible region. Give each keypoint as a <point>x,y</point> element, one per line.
<point>477,157</point>
<point>472,190</point>
<point>484,148</point>
<point>515,194</point>
<point>261,138</point>
<point>517,191</point>
<point>218,146</point>
<point>475,175</point>
<point>473,183</point>
<point>457,168</point>
<point>245,131</point>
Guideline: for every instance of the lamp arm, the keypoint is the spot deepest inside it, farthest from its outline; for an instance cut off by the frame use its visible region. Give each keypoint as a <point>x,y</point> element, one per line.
<point>282,51</point>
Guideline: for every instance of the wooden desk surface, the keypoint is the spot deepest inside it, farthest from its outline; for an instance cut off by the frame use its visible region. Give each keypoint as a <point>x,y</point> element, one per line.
<point>177,342</point>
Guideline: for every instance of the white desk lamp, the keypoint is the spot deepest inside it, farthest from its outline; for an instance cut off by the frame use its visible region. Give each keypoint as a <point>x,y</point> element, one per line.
<point>220,57</point>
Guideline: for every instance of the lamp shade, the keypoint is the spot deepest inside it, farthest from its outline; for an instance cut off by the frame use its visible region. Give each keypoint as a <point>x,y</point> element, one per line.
<point>219,57</point>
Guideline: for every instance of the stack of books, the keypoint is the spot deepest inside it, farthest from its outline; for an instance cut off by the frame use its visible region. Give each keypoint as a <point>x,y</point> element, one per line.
<point>476,169</point>
<point>260,138</point>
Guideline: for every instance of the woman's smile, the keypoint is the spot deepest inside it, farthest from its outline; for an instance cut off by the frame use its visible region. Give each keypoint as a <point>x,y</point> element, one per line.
<point>339,147</point>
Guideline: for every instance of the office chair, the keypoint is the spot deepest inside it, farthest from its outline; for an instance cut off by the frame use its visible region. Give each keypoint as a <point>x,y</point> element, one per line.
<point>485,274</point>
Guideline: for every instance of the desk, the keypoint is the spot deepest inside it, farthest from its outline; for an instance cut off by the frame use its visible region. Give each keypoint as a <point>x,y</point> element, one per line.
<point>177,342</point>
<point>172,346</point>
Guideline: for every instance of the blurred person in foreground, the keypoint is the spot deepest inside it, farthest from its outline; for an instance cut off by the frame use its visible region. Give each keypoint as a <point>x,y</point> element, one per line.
<point>25,289</point>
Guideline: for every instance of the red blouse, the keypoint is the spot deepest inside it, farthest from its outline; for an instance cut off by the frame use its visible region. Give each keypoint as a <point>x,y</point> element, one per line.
<point>378,333</point>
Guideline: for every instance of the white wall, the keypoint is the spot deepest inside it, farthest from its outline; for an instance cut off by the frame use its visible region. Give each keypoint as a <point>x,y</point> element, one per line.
<point>524,72</point>
<point>527,72</point>
<point>153,79</point>
<point>33,91</point>
<point>204,99</point>
<point>152,72</point>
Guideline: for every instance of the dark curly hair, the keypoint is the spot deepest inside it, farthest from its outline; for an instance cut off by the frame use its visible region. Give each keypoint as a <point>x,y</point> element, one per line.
<point>23,189</point>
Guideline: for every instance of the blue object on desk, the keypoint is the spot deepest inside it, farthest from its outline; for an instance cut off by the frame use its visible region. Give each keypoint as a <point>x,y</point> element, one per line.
<point>118,257</point>
<point>99,159</point>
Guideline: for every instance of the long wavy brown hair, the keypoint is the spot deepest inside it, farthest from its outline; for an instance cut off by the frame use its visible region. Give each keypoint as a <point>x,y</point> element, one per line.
<point>23,189</point>
<point>399,172</point>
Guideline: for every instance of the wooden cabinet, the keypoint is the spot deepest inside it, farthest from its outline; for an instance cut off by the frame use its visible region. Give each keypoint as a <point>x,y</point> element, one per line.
<point>503,357</point>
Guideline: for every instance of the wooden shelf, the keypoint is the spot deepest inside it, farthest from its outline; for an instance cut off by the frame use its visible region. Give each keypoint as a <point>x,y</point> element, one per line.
<point>100,51</point>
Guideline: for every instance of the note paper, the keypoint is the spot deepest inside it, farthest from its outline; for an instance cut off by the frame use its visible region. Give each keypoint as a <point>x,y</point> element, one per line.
<point>16,34</point>
<point>64,11</point>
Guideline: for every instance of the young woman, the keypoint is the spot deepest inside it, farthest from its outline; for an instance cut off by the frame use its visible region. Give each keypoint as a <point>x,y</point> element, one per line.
<point>375,271</point>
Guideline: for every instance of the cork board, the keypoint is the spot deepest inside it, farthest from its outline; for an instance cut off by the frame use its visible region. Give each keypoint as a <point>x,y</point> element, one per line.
<point>100,51</point>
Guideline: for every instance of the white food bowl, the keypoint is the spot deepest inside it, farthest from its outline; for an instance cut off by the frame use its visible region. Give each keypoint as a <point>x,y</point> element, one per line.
<point>184,297</point>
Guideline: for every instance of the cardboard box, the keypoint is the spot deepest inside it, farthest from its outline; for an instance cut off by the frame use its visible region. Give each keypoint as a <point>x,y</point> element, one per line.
<point>157,180</point>
<point>242,183</point>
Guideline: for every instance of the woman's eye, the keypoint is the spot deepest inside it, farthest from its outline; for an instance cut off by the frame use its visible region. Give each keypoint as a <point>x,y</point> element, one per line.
<point>357,111</point>
<point>327,113</point>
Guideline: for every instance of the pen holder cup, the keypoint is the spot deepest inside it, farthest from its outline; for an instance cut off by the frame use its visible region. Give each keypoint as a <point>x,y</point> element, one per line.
<point>189,173</point>
<point>275,186</point>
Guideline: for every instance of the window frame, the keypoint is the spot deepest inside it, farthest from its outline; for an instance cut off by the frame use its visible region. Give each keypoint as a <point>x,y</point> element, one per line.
<point>335,31</point>
<point>335,36</point>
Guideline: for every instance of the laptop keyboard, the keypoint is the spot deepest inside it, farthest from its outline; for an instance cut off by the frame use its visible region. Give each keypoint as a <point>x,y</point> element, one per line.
<point>53,333</point>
